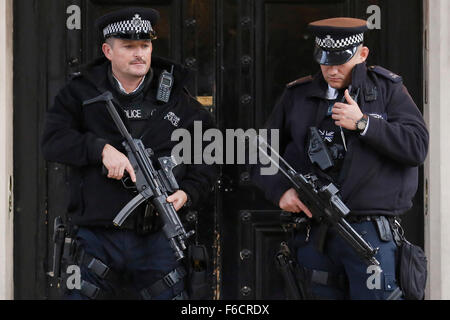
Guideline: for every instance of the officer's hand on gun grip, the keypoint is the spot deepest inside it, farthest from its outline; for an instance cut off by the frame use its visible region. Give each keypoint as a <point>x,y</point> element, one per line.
<point>116,163</point>
<point>178,199</point>
<point>346,115</point>
<point>291,203</point>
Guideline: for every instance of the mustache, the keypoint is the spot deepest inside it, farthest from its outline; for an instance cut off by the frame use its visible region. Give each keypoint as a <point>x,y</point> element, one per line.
<point>138,61</point>
<point>335,78</point>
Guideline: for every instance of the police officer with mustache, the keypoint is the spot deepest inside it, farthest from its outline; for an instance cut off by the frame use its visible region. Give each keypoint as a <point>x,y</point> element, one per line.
<point>366,116</point>
<point>137,254</point>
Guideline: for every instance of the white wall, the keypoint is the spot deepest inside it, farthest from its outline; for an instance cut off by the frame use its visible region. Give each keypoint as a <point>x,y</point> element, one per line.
<point>6,149</point>
<point>437,166</point>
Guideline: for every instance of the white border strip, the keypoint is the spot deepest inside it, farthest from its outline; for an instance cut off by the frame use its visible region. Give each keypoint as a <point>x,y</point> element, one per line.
<point>6,150</point>
<point>437,165</point>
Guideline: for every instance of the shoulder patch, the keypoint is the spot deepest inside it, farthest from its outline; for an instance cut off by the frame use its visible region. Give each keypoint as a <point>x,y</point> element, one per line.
<point>386,73</point>
<point>299,81</point>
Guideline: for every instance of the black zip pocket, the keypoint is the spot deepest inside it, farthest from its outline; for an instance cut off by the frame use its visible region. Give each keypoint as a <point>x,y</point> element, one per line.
<point>413,271</point>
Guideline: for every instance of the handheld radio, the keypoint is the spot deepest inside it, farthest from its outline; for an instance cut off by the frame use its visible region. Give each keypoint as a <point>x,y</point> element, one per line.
<point>165,86</point>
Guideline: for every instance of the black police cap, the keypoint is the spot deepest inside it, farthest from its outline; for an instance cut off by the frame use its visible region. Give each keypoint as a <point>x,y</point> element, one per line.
<point>128,23</point>
<point>337,39</point>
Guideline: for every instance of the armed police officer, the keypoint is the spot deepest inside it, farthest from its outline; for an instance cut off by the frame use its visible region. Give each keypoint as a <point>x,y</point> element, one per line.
<point>376,137</point>
<point>152,106</point>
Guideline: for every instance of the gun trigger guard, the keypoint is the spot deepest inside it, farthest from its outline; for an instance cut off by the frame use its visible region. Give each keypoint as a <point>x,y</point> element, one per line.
<point>127,184</point>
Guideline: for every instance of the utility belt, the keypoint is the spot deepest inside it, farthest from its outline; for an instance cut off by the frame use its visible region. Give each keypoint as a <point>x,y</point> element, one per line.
<point>68,252</point>
<point>104,272</point>
<point>388,227</point>
<point>410,260</point>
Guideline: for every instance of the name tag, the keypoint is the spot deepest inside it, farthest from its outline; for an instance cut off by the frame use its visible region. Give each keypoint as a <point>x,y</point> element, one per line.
<point>137,113</point>
<point>134,114</point>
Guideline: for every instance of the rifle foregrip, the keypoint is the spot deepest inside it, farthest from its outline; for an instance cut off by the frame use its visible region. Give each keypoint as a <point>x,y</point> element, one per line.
<point>169,215</point>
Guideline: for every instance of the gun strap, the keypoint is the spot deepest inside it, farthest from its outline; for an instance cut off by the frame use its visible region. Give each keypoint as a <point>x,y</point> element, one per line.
<point>95,293</point>
<point>397,230</point>
<point>328,279</point>
<point>324,278</point>
<point>321,237</point>
<point>397,294</point>
<point>97,267</point>
<point>181,296</point>
<point>92,291</point>
<point>170,280</point>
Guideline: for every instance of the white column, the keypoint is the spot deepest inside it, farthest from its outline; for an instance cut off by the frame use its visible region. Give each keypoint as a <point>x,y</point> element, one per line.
<point>6,149</point>
<point>437,166</point>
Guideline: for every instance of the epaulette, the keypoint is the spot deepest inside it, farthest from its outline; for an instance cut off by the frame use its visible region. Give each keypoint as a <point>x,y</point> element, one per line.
<point>386,73</point>
<point>299,81</point>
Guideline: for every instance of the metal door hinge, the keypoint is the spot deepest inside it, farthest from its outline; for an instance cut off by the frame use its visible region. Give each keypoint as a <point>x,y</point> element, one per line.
<point>10,196</point>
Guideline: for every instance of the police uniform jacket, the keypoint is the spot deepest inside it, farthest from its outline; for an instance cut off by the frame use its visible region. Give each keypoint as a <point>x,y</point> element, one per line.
<point>380,168</point>
<point>76,135</point>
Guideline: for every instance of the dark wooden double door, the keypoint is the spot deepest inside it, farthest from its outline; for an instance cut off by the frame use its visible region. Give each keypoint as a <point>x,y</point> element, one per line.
<point>243,52</point>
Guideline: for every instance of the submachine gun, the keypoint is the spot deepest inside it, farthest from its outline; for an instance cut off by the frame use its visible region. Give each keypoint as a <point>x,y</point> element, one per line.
<point>325,205</point>
<point>152,185</point>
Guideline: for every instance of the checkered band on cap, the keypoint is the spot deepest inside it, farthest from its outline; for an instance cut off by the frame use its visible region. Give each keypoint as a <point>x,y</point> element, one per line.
<point>329,43</point>
<point>136,25</point>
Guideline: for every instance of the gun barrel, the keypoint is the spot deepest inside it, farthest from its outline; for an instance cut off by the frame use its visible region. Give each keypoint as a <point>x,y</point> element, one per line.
<point>364,249</point>
<point>57,253</point>
<point>288,275</point>
<point>173,228</point>
<point>59,233</point>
